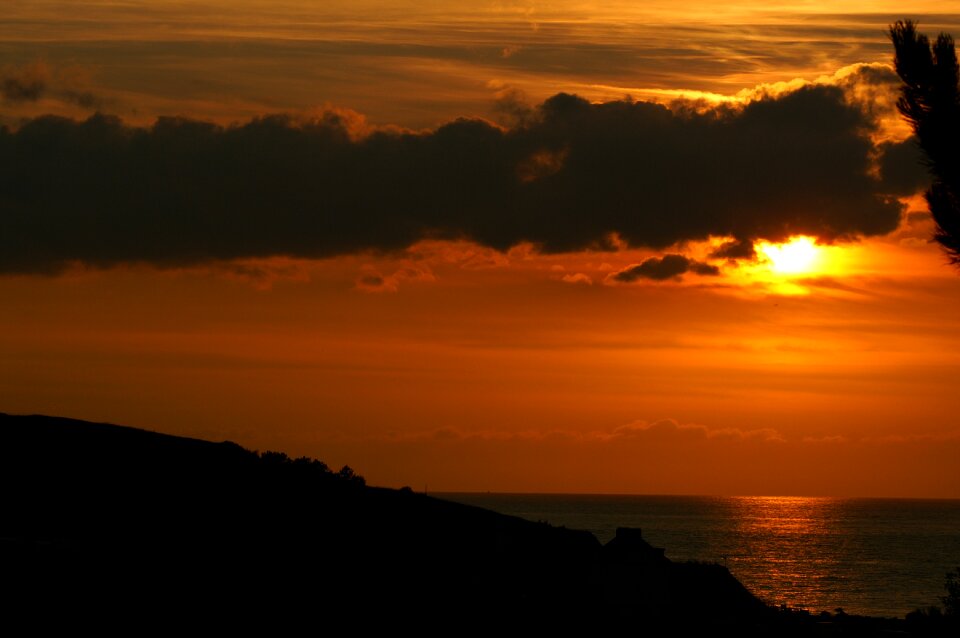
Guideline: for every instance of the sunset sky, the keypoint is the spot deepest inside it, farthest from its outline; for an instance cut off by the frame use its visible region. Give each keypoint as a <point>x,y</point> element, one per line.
<point>625,247</point>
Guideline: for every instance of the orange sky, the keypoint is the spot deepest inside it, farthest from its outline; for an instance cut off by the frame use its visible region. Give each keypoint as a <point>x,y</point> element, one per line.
<point>463,366</point>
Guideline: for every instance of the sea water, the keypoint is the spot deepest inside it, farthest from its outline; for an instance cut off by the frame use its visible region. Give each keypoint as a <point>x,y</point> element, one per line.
<point>880,557</point>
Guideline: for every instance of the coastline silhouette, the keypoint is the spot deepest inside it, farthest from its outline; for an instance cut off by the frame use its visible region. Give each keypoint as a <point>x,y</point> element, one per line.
<point>110,524</point>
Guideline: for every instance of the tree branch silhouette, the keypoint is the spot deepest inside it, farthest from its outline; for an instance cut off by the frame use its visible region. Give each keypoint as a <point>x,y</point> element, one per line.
<point>930,102</point>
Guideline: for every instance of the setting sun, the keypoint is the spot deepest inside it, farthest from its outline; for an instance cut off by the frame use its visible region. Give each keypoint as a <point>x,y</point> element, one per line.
<point>797,256</point>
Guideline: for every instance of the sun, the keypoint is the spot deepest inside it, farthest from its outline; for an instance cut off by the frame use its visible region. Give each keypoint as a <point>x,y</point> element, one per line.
<point>797,256</point>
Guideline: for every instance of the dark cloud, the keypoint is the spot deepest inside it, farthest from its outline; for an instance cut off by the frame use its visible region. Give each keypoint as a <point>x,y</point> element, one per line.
<point>24,83</point>
<point>735,249</point>
<point>565,178</point>
<point>31,82</point>
<point>700,268</point>
<point>902,166</point>
<point>84,99</point>
<point>666,267</point>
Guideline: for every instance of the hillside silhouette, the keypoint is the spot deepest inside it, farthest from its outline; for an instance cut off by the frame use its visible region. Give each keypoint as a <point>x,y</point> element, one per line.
<point>113,526</point>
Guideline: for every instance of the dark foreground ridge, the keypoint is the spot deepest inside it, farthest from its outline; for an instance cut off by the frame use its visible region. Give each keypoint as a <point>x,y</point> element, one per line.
<point>106,525</point>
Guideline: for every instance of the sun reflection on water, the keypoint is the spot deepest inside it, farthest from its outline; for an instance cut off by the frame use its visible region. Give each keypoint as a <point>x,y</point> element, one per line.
<point>792,539</point>
<point>881,557</point>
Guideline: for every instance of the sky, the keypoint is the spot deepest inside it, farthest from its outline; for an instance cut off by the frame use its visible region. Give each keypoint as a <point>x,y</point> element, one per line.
<point>652,248</point>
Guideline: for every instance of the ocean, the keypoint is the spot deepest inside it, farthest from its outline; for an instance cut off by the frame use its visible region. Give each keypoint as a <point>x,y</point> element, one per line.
<point>879,557</point>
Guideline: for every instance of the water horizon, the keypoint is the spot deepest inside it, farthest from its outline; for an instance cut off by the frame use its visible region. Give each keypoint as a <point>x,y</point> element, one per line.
<point>441,493</point>
<point>877,556</point>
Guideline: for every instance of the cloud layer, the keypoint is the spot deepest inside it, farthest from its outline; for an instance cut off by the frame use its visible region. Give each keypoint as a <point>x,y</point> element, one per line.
<point>437,59</point>
<point>569,176</point>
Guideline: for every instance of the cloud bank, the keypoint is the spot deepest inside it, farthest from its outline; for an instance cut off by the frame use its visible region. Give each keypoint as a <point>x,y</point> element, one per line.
<point>568,176</point>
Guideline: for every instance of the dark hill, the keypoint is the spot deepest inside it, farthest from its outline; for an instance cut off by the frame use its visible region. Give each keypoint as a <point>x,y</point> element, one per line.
<point>109,524</point>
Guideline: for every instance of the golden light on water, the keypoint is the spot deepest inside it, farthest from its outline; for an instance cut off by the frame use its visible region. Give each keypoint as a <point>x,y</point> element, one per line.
<point>792,541</point>
<point>799,256</point>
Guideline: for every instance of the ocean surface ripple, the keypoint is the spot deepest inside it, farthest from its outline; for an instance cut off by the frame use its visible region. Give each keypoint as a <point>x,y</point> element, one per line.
<point>879,557</point>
